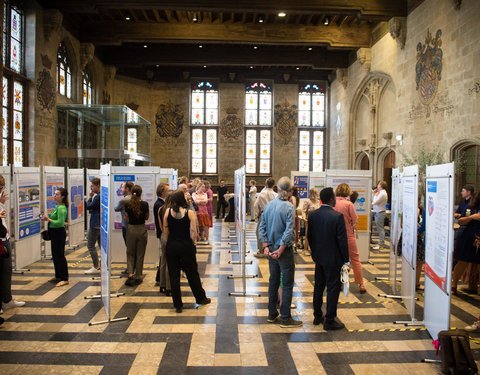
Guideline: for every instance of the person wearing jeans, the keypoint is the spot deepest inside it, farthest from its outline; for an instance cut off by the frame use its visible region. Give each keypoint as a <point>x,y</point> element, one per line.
<point>380,199</point>
<point>93,236</point>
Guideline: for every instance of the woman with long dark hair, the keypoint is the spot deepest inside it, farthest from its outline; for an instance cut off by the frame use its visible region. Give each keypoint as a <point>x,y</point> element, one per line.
<point>56,229</point>
<point>181,232</point>
<point>136,213</point>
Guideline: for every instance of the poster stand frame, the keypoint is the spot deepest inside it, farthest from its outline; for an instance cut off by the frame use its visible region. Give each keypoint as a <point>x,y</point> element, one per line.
<point>82,242</point>
<point>240,229</point>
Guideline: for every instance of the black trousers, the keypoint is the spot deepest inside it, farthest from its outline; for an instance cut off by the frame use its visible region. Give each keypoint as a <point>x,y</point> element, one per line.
<point>329,277</point>
<point>221,205</point>
<point>181,255</point>
<point>6,274</point>
<point>58,237</point>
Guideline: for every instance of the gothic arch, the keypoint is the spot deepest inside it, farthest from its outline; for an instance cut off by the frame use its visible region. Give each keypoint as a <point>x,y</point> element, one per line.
<point>71,55</point>
<point>359,158</point>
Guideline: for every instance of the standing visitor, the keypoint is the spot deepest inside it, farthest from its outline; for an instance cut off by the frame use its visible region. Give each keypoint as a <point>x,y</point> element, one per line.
<point>295,200</point>
<point>311,204</point>
<point>467,193</point>
<point>379,203</point>
<point>209,192</point>
<point>120,207</point>
<point>136,211</point>
<point>252,195</point>
<point>162,276</point>
<point>201,199</point>
<point>221,202</point>
<point>328,240</point>
<point>56,228</point>
<point>93,236</point>
<point>265,196</point>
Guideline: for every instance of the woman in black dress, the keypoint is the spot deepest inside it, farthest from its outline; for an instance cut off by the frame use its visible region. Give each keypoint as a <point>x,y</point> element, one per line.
<point>465,252</point>
<point>180,231</point>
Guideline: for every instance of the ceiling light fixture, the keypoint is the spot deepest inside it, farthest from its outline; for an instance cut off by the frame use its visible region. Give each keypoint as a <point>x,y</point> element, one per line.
<point>298,68</point>
<point>195,18</point>
<point>251,67</point>
<point>310,48</point>
<point>145,46</point>
<point>200,46</point>
<point>326,21</point>
<point>204,66</point>
<point>260,18</point>
<point>157,65</point>
<point>255,47</point>
<point>282,14</point>
<point>127,18</point>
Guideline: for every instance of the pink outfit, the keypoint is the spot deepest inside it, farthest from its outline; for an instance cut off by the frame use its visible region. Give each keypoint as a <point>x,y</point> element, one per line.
<point>346,208</point>
<point>210,205</point>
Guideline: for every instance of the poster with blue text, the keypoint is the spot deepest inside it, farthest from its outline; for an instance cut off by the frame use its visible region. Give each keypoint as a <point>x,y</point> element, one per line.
<point>28,198</point>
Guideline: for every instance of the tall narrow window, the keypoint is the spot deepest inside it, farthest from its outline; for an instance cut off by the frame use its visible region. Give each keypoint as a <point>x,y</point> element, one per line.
<point>311,123</point>
<point>258,133</point>
<point>64,72</point>
<point>132,118</point>
<point>204,123</point>
<point>87,88</point>
<point>14,84</point>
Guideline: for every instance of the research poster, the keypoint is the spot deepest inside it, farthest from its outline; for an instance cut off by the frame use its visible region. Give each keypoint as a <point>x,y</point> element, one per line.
<point>147,182</point>
<point>105,241</point>
<point>28,198</point>
<point>53,182</point>
<point>409,222</point>
<point>437,203</point>
<point>301,182</point>
<point>76,187</point>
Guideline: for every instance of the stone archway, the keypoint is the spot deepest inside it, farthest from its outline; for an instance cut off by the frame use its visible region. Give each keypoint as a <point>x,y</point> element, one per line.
<point>362,161</point>
<point>466,155</point>
<point>386,162</point>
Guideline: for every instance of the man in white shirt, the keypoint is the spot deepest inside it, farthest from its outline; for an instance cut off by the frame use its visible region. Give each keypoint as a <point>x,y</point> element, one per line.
<point>265,196</point>
<point>379,202</point>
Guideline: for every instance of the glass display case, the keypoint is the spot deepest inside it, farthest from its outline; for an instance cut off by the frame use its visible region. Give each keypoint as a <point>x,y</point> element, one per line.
<point>88,135</point>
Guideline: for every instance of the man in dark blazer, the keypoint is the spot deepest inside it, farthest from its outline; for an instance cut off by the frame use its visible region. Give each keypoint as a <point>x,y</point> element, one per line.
<point>327,237</point>
<point>162,277</point>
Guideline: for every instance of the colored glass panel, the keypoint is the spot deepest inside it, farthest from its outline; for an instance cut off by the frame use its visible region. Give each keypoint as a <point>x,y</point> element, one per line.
<point>197,150</point>
<point>197,136</point>
<point>68,84</point>
<point>5,152</point>
<point>212,99</point>
<point>304,101</point>
<point>318,118</point>
<point>304,152</point>
<point>197,116</point>
<point>266,117</point>
<point>303,166</point>
<point>318,166</point>
<point>304,118</point>
<point>318,138</point>
<point>266,101</point>
<point>16,25</point>
<point>132,118</point>
<point>212,117</point>
<point>132,135</point>
<point>15,55</point>
<point>304,138</point>
<point>250,166</point>
<point>318,102</point>
<point>265,166</point>
<point>265,137</point>
<point>251,117</point>
<point>264,151</point>
<point>251,100</point>
<point>251,151</point>
<point>132,147</point>
<point>197,165</point>
<point>5,92</point>
<point>5,122</point>
<point>211,166</point>
<point>17,96</point>
<point>17,125</point>
<point>251,136</point>
<point>197,99</point>
<point>211,150</point>
<point>61,78</point>
<point>211,136</point>
<point>18,153</point>
<point>317,152</point>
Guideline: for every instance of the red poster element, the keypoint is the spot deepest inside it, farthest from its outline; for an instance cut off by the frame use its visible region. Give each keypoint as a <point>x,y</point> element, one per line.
<point>440,281</point>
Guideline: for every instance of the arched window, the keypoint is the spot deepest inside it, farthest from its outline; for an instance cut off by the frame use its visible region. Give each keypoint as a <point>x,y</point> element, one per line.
<point>258,132</point>
<point>204,127</point>
<point>87,88</point>
<point>311,125</point>
<point>64,72</point>
<point>467,165</point>
<point>14,86</point>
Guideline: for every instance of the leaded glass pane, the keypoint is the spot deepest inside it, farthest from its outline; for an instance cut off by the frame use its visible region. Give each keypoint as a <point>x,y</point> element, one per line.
<point>251,136</point>
<point>266,117</point>
<point>266,101</point>
<point>15,55</point>
<point>197,165</point>
<point>132,118</point>
<point>250,117</point>
<point>211,136</point>
<point>304,118</point>
<point>264,151</point>
<point>318,138</point>
<point>17,96</point>
<point>61,78</point>
<point>197,150</point>
<point>317,152</point>
<point>5,152</point>
<point>132,134</point>
<point>4,48</point>
<point>250,166</point>
<point>318,165</point>
<point>318,102</point>
<point>265,137</point>
<point>303,165</point>
<point>212,117</point>
<point>318,118</point>
<point>197,116</point>
<point>131,162</point>
<point>251,100</point>
<point>197,99</point>
<point>211,166</point>
<point>18,153</point>
<point>16,25</point>
<point>265,166</point>
<point>212,99</point>
<point>68,84</point>
<point>304,138</point>
<point>90,96</point>
<point>5,92</point>
<point>251,151</point>
<point>211,150</point>
<point>197,136</point>
<point>132,147</point>
<point>304,152</point>
<point>304,101</point>
<point>18,125</point>
<point>5,122</point>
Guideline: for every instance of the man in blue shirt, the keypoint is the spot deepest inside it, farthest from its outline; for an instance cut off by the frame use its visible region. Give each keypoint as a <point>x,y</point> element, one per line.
<point>93,236</point>
<point>277,233</point>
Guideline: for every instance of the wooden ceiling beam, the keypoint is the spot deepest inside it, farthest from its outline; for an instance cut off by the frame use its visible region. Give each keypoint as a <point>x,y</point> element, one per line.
<point>105,33</point>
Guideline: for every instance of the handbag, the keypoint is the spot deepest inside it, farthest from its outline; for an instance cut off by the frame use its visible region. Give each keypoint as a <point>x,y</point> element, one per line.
<point>45,235</point>
<point>455,352</point>
<point>3,251</point>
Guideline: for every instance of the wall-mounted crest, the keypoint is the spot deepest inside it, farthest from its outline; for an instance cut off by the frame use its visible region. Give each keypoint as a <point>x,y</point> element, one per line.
<point>286,117</point>
<point>169,120</point>
<point>46,90</point>
<point>429,67</point>
<point>231,126</point>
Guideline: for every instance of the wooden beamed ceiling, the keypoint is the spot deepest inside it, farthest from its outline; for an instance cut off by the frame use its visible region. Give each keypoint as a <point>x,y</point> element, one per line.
<point>314,35</point>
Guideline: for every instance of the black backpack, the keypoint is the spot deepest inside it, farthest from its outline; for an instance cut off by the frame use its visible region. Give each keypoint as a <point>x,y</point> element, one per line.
<point>457,358</point>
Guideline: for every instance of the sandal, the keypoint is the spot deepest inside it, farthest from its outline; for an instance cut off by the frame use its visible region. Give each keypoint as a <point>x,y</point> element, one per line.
<point>362,289</point>
<point>62,283</point>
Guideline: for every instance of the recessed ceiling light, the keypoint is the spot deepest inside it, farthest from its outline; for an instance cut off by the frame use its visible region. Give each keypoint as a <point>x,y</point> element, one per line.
<point>260,20</point>
<point>195,18</point>
<point>127,18</point>
<point>297,68</point>
<point>255,47</point>
<point>326,21</point>
<point>251,67</point>
<point>200,46</point>
<point>282,14</point>
<point>145,46</point>
<point>204,66</point>
<point>157,65</point>
<point>310,48</point>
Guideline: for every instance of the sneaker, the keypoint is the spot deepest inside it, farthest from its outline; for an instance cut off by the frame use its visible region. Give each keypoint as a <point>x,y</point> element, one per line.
<point>259,254</point>
<point>272,318</point>
<point>178,310</point>
<point>333,325</point>
<point>130,281</point>
<point>13,303</point>
<point>92,271</point>
<point>474,327</point>
<point>376,247</point>
<point>291,323</point>
<point>62,283</point>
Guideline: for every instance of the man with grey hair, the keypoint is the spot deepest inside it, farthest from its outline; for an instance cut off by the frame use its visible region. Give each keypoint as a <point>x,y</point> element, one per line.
<point>277,233</point>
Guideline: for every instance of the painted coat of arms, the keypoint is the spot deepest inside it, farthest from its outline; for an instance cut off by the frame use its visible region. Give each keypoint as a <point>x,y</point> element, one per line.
<point>169,120</point>
<point>285,120</point>
<point>429,67</point>
<point>231,126</point>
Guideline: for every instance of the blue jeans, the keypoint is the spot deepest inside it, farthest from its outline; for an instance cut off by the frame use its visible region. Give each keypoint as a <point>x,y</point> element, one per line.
<point>284,266</point>
<point>380,222</point>
<point>93,237</point>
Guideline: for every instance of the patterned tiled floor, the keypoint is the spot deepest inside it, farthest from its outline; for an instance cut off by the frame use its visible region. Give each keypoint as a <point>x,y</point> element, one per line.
<point>230,336</point>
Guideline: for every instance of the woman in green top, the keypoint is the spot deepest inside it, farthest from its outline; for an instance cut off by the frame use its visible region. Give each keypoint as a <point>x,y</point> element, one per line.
<point>56,228</point>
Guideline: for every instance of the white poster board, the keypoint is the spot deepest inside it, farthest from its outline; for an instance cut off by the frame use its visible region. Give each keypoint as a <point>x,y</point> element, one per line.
<point>394,228</point>
<point>27,211</point>
<point>438,246</point>
<point>105,240</point>
<point>76,209</point>
<point>361,182</point>
<point>6,173</point>
<point>409,236</point>
<point>53,179</point>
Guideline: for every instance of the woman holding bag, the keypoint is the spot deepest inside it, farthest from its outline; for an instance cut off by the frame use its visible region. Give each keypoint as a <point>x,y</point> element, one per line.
<point>56,228</point>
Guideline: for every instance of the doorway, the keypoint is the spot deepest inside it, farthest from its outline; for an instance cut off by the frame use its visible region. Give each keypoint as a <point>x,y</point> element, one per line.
<point>388,165</point>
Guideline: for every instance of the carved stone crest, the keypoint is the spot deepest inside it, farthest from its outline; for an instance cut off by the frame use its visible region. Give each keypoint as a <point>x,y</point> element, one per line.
<point>231,126</point>
<point>285,120</point>
<point>429,67</point>
<point>46,92</point>
<point>169,120</point>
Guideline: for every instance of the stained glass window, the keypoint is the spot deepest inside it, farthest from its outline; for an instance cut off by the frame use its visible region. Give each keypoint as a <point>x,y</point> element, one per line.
<point>204,122</point>
<point>64,72</point>
<point>87,88</point>
<point>258,104</point>
<point>131,143</point>
<point>311,121</point>
<point>258,151</point>
<point>14,85</point>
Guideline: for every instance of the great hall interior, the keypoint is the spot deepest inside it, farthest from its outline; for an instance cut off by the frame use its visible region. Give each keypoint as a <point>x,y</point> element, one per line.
<point>277,86</point>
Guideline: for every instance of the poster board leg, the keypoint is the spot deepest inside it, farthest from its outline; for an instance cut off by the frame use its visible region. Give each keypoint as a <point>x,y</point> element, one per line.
<point>109,321</point>
<point>408,323</point>
<point>239,294</point>
<point>241,276</point>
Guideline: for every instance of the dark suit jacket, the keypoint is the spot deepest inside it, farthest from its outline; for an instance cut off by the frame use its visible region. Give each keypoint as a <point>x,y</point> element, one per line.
<point>327,237</point>
<point>156,207</point>
<point>93,206</point>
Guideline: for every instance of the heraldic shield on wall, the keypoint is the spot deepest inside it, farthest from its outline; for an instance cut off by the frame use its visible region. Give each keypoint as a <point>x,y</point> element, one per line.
<point>169,120</point>
<point>231,126</point>
<point>429,68</point>
<point>286,116</point>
